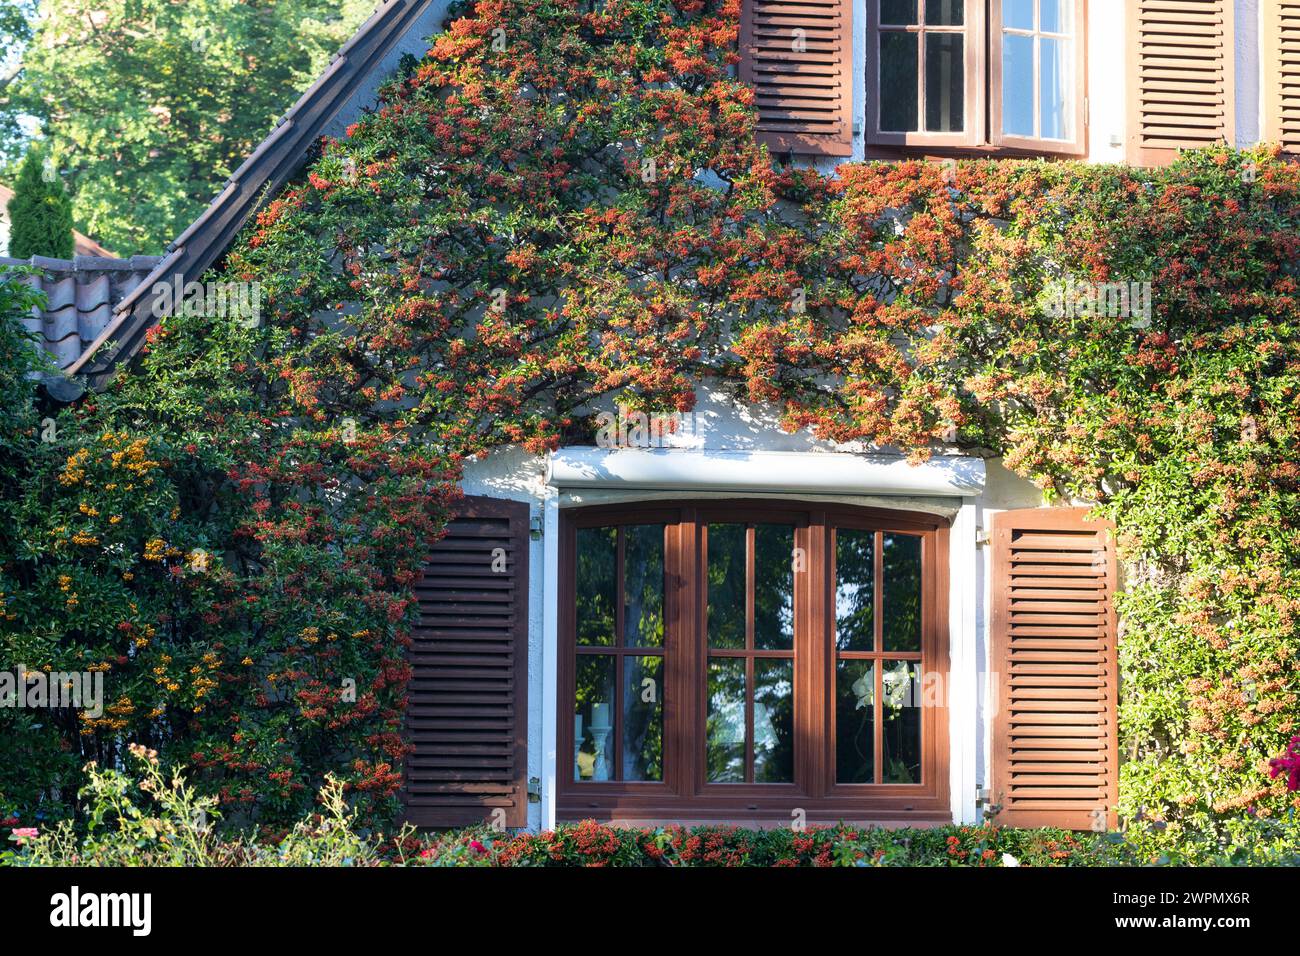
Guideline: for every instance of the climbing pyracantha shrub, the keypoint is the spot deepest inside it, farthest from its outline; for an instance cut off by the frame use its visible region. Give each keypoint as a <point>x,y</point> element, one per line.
<point>560,205</point>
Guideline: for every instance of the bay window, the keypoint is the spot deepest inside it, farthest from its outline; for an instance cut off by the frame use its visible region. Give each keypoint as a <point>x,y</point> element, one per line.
<point>752,660</point>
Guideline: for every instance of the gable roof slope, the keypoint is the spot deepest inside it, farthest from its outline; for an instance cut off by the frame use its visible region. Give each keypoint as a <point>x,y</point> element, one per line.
<point>370,55</point>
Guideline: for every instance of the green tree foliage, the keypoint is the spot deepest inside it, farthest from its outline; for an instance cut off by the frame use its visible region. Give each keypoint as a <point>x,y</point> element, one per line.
<point>15,30</point>
<point>40,213</point>
<point>19,358</point>
<point>151,104</point>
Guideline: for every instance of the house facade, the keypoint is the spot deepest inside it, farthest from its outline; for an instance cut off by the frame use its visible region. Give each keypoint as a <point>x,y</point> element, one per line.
<point>710,619</point>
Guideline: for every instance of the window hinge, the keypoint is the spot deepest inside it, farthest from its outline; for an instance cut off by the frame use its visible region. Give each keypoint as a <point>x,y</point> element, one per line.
<point>981,538</point>
<point>981,794</point>
<point>534,790</point>
<point>535,527</point>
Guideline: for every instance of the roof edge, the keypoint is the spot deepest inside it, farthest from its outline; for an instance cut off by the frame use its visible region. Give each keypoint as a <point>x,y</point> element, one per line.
<point>266,171</point>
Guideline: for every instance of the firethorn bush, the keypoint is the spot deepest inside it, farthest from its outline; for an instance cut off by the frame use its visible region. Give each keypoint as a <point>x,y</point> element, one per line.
<point>562,203</point>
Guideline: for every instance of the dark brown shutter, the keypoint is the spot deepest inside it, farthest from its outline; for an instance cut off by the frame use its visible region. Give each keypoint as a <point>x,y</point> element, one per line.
<point>1281,43</point>
<point>468,713</point>
<point>798,56</point>
<point>1180,80</point>
<point>1054,669</point>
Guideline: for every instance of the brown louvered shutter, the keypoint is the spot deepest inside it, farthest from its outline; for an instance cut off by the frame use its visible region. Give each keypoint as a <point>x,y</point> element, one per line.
<point>798,56</point>
<point>1180,80</point>
<point>467,712</point>
<point>1281,73</point>
<point>1054,669</point>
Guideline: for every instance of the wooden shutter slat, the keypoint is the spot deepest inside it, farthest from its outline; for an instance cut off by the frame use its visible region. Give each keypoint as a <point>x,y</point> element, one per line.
<point>1181,62</point>
<point>1055,748</point>
<point>467,699</point>
<point>1280,52</point>
<point>803,97</point>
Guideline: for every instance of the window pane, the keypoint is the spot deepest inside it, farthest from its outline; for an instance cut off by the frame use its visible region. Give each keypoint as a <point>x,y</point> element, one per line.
<point>945,81</point>
<point>643,718</point>
<point>902,584</point>
<point>593,722</point>
<point>900,697</point>
<point>1018,14</point>
<point>1017,85</point>
<point>773,721</point>
<point>855,714</point>
<point>725,754</point>
<point>897,12</point>
<point>855,590</point>
<point>898,82</point>
<point>1053,96</point>
<point>595,585</point>
<point>774,587</point>
<point>945,13</point>
<point>643,585</point>
<point>1054,16</point>
<point>726,549</point>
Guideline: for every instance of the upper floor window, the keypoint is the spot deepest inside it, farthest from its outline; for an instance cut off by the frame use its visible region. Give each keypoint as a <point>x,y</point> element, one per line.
<point>975,73</point>
<point>939,75</point>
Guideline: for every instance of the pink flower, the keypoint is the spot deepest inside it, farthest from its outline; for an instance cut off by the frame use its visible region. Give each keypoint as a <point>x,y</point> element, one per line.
<point>477,847</point>
<point>425,854</point>
<point>23,833</point>
<point>1288,764</point>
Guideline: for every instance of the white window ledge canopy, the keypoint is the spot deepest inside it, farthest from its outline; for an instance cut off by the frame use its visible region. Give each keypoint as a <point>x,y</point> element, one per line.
<point>792,472</point>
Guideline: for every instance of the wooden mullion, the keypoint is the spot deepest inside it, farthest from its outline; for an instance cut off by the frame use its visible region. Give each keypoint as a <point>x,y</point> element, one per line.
<point>680,709</point>
<point>620,593</point>
<point>760,654</point>
<point>751,587</point>
<point>593,649</point>
<point>811,713</point>
<point>618,718</point>
<point>881,655</point>
<point>878,592</point>
<point>749,719</point>
<point>878,639</point>
<point>620,642</point>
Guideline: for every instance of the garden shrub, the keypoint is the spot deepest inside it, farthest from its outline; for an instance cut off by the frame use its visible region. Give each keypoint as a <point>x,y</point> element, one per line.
<point>157,819</point>
<point>560,205</point>
<point>145,816</point>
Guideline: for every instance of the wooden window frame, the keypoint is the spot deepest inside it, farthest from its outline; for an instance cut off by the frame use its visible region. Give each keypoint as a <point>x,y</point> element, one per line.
<point>684,795</point>
<point>974,87</point>
<point>983,136</point>
<point>1079,52</point>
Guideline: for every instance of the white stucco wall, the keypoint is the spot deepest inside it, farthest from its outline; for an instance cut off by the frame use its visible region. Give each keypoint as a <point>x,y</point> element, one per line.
<point>1247,26</point>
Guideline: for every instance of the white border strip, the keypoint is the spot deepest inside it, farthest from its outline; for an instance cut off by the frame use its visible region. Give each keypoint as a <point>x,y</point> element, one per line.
<point>788,472</point>
<point>550,651</point>
<point>963,664</point>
